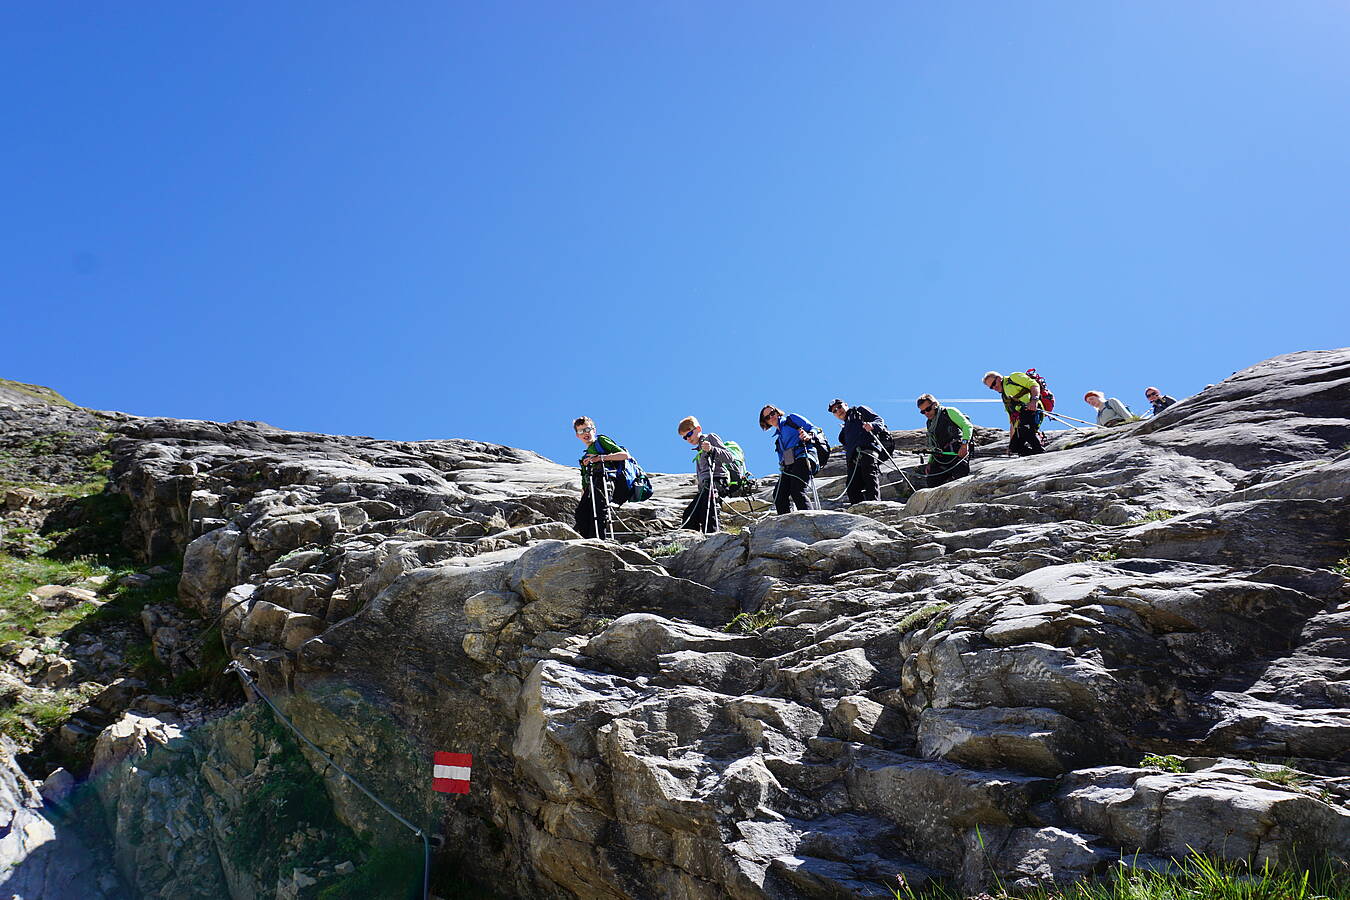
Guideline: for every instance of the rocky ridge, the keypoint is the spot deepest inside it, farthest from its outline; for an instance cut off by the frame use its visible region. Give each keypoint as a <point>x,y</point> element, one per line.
<point>1133,645</point>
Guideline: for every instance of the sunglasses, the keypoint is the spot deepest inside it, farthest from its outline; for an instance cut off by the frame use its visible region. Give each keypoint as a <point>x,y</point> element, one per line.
<point>1153,396</point>
<point>687,435</point>
<point>926,408</point>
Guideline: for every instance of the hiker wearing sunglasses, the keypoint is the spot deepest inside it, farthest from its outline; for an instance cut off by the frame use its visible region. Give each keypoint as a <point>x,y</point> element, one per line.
<point>710,472</point>
<point>1157,399</point>
<point>862,450</point>
<point>791,434</point>
<point>948,442</point>
<point>600,466</point>
<point>1022,399</point>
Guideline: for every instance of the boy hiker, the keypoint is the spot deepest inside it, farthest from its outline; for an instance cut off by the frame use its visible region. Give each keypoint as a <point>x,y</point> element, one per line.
<point>791,434</point>
<point>862,450</point>
<point>1022,399</point>
<point>1109,412</point>
<point>1157,399</point>
<point>948,442</point>
<point>710,472</point>
<point>600,466</point>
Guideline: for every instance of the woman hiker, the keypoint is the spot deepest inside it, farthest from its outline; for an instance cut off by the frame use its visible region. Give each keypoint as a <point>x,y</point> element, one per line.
<point>791,433</point>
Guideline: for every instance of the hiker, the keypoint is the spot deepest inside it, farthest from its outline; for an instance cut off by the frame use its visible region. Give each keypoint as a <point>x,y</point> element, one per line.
<point>791,436</point>
<point>1022,399</point>
<point>600,467</point>
<point>1110,412</point>
<point>1159,401</point>
<point>948,441</point>
<point>862,449</point>
<point>710,474</point>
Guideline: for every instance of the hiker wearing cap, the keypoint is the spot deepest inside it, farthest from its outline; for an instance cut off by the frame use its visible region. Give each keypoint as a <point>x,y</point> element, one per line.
<point>948,442</point>
<point>1110,412</point>
<point>862,450</point>
<point>1157,399</point>
<point>600,467</point>
<point>791,434</point>
<point>1022,399</point>
<point>710,473</point>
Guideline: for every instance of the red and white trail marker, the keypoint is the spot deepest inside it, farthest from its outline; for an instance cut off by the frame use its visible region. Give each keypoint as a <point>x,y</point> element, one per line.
<point>450,775</point>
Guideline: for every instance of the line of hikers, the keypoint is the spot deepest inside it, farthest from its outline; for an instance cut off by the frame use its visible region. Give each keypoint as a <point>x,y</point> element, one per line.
<point>802,450</point>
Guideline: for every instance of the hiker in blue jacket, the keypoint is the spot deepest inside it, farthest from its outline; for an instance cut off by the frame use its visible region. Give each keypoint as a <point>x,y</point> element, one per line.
<point>791,434</point>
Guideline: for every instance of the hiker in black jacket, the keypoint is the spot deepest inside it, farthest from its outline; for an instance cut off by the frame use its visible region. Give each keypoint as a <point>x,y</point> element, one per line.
<point>862,450</point>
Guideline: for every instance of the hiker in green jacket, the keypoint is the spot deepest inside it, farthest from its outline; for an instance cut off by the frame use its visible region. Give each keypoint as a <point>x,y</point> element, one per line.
<point>710,474</point>
<point>948,442</point>
<point>600,466</point>
<point>1022,399</point>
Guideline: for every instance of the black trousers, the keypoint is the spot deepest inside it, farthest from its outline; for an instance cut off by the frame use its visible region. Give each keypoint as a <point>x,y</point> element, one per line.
<point>1025,439</point>
<point>699,515</point>
<point>794,485</point>
<point>594,520</point>
<point>864,478</point>
<point>941,470</point>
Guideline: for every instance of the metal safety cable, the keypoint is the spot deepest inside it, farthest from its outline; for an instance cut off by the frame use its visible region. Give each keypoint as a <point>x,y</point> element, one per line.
<point>426,844</point>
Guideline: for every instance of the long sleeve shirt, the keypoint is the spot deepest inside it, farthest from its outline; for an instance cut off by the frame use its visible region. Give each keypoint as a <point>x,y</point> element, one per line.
<point>1113,412</point>
<point>853,436</point>
<point>712,464</point>
<point>947,431</point>
<point>787,442</point>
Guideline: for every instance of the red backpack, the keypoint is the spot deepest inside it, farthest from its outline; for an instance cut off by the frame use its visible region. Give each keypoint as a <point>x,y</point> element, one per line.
<point>1047,398</point>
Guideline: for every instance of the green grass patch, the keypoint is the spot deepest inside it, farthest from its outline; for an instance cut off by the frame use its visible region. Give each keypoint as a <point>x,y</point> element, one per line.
<point>28,719</point>
<point>665,550</point>
<point>1104,556</point>
<point>1342,567</point>
<point>921,616</point>
<point>20,617</point>
<point>37,392</point>
<point>750,623</point>
<point>1279,775</point>
<point>1195,878</point>
<point>1157,515</point>
<point>1162,763</point>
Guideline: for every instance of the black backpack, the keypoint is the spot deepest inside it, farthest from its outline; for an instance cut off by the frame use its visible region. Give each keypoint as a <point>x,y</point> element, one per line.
<point>819,445</point>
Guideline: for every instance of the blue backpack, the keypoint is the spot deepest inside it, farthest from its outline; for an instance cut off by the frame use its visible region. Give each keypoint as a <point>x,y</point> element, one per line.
<point>630,481</point>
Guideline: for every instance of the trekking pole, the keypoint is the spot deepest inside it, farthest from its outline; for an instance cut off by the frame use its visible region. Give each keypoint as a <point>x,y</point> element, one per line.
<point>1068,420</point>
<point>712,491</point>
<point>590,482</point>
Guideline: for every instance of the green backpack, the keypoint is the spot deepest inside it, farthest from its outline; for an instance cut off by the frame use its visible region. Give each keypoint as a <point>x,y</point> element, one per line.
<point>737,476</point>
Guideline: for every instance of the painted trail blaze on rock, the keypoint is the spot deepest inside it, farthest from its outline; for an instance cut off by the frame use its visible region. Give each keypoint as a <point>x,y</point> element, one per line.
<point>450,773</point>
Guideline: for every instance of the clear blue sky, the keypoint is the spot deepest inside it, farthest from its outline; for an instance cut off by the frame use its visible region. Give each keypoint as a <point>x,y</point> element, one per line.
<point>422,220</point>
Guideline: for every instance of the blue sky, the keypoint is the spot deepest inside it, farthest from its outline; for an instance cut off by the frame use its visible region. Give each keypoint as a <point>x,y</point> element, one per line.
<point>428,220</point>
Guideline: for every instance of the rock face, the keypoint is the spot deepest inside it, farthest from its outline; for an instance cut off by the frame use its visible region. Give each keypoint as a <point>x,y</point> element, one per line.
<point>964,686</point>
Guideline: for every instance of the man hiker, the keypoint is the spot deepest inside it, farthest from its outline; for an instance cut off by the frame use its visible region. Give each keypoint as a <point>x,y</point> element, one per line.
<point>710,473</point>
<point>948,442</point>
<point>862,449</point>
<point>600,468</point>
<point>1109,412</point>
<point>1157,399</point>
<point>1022,399</point>
<point>791,435</point>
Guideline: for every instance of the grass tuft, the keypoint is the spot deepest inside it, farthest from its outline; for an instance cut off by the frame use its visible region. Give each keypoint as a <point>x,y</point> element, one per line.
<point>750,623</point>
<point>1163,763</point>
<point>1193,878</point>
<point>921,616</point>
